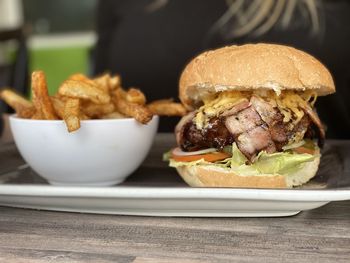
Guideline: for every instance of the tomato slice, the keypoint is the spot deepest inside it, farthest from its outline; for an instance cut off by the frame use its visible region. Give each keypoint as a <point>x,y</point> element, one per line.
<point>302,149</point>
<point>209,157</point>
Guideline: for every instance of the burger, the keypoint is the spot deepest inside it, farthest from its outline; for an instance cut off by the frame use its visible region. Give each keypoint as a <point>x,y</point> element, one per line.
<point>251,121</point>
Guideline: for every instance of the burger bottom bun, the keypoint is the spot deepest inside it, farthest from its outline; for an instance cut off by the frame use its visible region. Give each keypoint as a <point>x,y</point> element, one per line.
<point>213,176</point>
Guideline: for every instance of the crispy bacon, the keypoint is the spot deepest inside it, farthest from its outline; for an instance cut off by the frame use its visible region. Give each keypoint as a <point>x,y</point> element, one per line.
<point>238,107</point>
<point>216,135</point>
<point>316,120</point>
<point>274,120</point>
<point>250,132</point>
<point>243,121</point>
<point>254,125</point>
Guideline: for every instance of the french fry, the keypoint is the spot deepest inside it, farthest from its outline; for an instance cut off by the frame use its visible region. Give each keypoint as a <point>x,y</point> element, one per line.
<point>71,114</point>
<point>81,77</point>
<point>83,90</point>
<point>115,82</point>
<point>80,98</point>
<point>97,110</point>
<point>135,96</point>
<point>41,99</point>
<point>82,116</point>
<point>102,82</point>
<point>37,116</point>
<point>23,107</point>
<point>58,105</point>
<point>14,99</point>
<point>113,115</point>
<point>119,93</point>
<point>166,107</point>
<point>139,112</point>
<point>59,102</point>
<point>25,112</point>
<point>61,97</point>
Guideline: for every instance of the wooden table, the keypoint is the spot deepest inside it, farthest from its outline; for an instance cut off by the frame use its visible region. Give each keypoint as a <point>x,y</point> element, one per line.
<point>320,235</point>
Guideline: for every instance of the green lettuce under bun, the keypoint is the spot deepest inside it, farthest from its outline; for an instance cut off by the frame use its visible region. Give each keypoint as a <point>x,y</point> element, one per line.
<point>281,163</point>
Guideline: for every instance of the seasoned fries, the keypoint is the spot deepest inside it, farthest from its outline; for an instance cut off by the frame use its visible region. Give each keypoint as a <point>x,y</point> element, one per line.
<point>83,78</point>
<point>81,98</point>
<point>114,82</point>
<point>58,105</point>
<point>37,116</point>
<point>139,112</point>
<point>135,96</point>
<point>41,99</point>
<point>113,115</point>
<point>167,107</point>
<point>102,82</point>
<point>71,114</point>
<point>23,107</point>
<point>95,110</point>
<point>83,90</point>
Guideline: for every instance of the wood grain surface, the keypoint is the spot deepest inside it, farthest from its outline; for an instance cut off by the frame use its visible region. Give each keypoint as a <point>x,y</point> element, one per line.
<point>320,235</point>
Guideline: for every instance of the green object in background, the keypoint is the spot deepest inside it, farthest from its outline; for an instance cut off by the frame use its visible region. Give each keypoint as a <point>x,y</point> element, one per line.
<point>59,63</point>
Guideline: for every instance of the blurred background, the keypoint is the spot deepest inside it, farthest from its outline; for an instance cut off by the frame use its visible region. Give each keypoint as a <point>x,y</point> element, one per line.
<point>59,35</point>
<point>150,41</point>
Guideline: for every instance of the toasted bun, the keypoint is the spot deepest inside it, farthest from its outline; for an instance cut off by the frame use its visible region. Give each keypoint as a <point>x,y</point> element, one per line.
<point>213,176</point>
<point>251,67</point>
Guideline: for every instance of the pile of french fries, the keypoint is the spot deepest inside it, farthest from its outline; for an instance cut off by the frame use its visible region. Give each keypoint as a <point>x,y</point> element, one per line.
<point>82,98</point>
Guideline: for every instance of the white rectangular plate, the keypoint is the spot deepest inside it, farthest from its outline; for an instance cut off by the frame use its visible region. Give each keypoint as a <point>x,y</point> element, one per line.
<point>169,201</point>
<point>157,190</point>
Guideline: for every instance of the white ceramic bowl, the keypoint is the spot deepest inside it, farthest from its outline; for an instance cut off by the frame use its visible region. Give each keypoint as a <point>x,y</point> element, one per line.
<point>100,153</point>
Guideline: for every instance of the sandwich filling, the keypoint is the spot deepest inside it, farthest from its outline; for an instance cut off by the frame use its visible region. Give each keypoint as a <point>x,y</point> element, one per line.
<point>259,122</point>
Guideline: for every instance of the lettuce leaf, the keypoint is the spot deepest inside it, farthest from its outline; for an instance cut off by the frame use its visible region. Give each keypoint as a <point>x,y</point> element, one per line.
<point>282,163</point>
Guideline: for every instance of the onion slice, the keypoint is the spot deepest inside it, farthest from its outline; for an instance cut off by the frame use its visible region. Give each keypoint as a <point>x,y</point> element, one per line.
<point>177,151</point>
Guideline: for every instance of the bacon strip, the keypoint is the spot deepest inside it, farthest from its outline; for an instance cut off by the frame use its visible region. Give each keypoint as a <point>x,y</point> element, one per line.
<point>316,120</point>
<point>273,118</point>
<point>254,125</point>
<point>236,108</point>
<point>250,132</point>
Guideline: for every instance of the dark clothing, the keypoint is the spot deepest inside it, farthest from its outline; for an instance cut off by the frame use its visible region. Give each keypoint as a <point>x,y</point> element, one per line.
<point>14,73</point>
<point>150,48</point>
<point>1,125</point>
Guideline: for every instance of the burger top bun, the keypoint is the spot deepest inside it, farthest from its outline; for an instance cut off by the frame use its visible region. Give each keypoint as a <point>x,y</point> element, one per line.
<point>251,67</point>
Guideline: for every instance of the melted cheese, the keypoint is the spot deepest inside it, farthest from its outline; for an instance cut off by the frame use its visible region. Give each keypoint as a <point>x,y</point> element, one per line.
<point>215,105</point>
<point>291,105</point>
